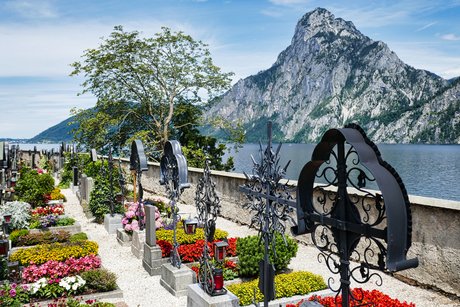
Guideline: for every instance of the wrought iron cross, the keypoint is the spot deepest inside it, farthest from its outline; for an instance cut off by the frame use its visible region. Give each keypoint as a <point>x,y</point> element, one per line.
<point>173,175</point>
<point>270,199</point>
<point>373,228</point>
<point>208,207</point>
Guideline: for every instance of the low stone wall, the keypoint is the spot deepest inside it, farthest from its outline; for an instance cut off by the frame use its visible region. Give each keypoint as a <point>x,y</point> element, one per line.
<point>435,226</point>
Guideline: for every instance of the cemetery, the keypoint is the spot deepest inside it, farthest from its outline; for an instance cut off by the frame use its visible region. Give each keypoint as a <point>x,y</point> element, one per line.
<point>102,228</point>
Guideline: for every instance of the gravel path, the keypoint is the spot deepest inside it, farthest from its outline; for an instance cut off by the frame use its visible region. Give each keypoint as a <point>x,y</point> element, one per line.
<point>141,289</point>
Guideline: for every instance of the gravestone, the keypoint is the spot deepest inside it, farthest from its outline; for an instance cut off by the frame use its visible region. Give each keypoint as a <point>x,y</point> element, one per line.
<point>137,244</point>
<point>152,259</point>
<point>112,220</point>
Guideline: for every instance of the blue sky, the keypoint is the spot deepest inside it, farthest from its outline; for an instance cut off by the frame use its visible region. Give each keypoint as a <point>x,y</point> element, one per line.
<point>40,38</point>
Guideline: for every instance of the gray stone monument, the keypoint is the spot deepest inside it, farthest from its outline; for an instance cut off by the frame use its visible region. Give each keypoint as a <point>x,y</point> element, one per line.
<point>137,244</point>
<point>176,280</point>
<point>152,260</point>
<point>112,222</point>
<point>197,297</point>
<point>124,238</point>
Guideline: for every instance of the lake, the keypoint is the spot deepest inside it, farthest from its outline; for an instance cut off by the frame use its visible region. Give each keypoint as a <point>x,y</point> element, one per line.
<point>426,170</point>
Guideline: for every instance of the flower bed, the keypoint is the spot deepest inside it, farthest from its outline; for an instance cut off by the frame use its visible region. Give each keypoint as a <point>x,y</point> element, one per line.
<point>25,237</point>
<point>56,269</point>
<point>55,209</point>
<point>55,251</point>
<point>286,285</point>
<point>368,297</point>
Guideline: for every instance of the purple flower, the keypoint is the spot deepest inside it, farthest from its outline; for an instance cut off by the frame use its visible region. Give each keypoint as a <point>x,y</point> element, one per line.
<point>13,286</point>
<point>12,293</point>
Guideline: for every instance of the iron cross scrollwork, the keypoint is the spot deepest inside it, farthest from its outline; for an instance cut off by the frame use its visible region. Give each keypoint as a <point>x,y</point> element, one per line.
<point>208,207</point>
<point>270,200</point>
<point>173,175</point>
<point>372,228</point>
<point>138,164</point>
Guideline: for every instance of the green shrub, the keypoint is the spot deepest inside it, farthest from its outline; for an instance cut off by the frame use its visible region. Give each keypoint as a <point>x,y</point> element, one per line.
<point>250,252</point>
<point>98,204</point>
<point>100,280</point>
<point>81,236</point>
<point>16,234</point>
<point>20,214</point>
<point>32,187</point>
<point>183,238</point>
<point>55,251</point>
<point>42,238</point>
<point>286,285</point>
<point>65,221</point>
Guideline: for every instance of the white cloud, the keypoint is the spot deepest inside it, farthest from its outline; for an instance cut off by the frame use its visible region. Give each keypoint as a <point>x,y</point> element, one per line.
<point>288,2</point>
<point>450,37</point>
<point>426,26</point>
<point>32,9</point>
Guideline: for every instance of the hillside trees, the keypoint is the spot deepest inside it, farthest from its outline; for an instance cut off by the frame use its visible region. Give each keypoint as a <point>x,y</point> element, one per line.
<point>148,88</point>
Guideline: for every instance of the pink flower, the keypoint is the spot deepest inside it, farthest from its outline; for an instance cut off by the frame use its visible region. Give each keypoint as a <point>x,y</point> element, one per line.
<point>128,227</point>
<point>124,221</point>
<point>130,214</point>
<point>12,293</point>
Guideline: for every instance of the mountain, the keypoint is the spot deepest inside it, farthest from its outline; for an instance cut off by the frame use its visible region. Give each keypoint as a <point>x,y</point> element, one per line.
<point>56,134</point>
<point>331,74</point>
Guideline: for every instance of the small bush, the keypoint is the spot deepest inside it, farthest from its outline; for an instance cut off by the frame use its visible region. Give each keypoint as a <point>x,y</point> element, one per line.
<point>32,187</point>
<point>250,252</point>
<point>20,214</point>
<point>81,236</point>
<point>55,251</point>
<point>183,238</point>
<point>57,195</point>
<point>16,234</point>
<point>100,280</point>
<point>65,221</point>
<point>286,285</point>
<point>42,238</point>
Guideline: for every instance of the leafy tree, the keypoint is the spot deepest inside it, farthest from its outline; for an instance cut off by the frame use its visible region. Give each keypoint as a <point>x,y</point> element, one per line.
<point>139,82</point>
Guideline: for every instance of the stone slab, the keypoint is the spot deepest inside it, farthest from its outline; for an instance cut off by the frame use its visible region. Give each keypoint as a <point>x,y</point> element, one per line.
<point>197,297</point>
<point>152,261</point>
<point>124,238</point>
<point>73,229</point>
<point>176,280</point>
<point>112,223</point>
<point>137,244</point>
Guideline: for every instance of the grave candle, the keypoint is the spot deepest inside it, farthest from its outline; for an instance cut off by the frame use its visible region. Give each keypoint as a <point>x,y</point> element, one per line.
<point>218,279</point>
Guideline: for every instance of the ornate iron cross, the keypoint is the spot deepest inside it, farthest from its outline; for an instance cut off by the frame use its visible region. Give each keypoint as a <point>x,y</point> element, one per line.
<point>270,199</point>
<point>138,164</point>
<point>371,227</point>
<point>173,175</point>
<point>208,207</point>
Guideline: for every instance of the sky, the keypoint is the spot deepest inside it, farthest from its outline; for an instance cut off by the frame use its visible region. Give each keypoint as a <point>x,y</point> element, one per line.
<point>39,39</point>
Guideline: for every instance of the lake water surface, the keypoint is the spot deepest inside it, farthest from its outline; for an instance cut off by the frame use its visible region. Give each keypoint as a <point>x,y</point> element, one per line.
<point>426,170</point>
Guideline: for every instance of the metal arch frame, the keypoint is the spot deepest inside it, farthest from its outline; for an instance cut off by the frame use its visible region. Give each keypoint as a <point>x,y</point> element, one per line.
<point>138,164</point>
<point>347,226</point>
<point>174,176</point>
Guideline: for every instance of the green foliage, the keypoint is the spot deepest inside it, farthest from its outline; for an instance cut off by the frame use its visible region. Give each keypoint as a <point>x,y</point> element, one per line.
<point>16,234</point>
<point>41,238</point>
<point>6,299</point>
<point>32,186</point>
<point>65,221</point>
<point>20,214</point>
<point>98,202</point>
<point>250,252</point>
<point>81,236</point>
<point>286,285</point>
<point>100,280</point>
<point>183,238</point>
<point>139,82</point>
<point>3,269</point>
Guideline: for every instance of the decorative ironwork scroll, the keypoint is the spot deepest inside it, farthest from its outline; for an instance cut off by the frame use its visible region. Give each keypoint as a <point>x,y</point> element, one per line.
<point>138,164</point>
<point>208,207</point>
<point>173,175</point>
<point>373,228</point>
<point>270,200</point>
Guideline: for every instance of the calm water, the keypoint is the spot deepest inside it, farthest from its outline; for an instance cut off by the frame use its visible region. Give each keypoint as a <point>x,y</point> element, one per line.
<point>426,170</point>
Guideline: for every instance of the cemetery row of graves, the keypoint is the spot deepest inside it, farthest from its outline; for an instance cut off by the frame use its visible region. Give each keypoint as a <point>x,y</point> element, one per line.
<point>46,256</point>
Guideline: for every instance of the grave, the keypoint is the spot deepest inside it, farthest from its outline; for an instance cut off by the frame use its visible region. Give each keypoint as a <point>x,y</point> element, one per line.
<point>173,174</point>
<point>112,221</point>
<point>152,257</point>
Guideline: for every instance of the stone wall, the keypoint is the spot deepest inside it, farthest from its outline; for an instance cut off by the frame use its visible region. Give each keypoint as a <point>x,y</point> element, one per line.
<point>435,230</point>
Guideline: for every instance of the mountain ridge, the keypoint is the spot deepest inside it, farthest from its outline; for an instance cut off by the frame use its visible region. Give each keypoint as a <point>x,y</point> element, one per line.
<point>331,74</point>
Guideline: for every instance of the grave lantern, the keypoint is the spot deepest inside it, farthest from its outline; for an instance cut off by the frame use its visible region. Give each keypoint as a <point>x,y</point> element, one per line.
<point>190,226</point>
<point>7,218</point>
<point>4,245</point>
<point>220,251</point>
<point>218,275</point>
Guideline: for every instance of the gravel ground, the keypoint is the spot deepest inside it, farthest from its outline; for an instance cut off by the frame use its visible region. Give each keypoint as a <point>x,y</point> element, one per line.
<point>141,289</point>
